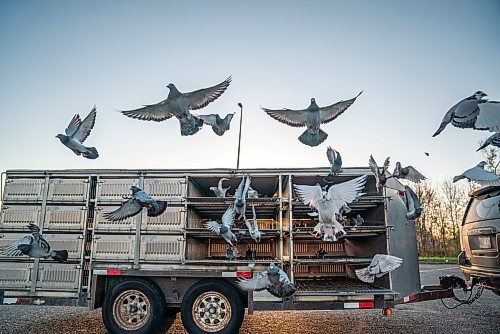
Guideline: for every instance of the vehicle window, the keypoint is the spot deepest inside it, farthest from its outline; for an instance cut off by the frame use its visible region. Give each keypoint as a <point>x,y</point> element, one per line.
<point>483,208</point>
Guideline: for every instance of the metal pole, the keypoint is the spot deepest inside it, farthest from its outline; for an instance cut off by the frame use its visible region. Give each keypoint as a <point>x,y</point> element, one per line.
<point>239,139</point>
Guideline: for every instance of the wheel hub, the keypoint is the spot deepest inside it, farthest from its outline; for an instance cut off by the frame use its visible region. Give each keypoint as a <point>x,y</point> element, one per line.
<point>211,311</point>
<point>131,309</point>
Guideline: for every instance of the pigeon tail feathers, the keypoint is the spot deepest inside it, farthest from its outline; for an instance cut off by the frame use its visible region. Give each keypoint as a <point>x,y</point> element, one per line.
<point>91,153</point>
<point>313,138</point>
<point>364,275</point>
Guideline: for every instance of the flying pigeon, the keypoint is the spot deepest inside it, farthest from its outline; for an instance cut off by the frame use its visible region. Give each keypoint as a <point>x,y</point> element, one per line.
<point>335,161</point>
<point>494,140</point>
<point>76,133</point>
<point>380,176</point>
<point>224,229</point>
<point>220,191</point>
<point>413,209</point>
<point>219,125</point>
<point>134,205</point>
<point>407,173</point>
<point>328,203</point>
<point>273,280</point>
<point>34,245</point>
<point>312,118</point>
<point>178,104</point>
<point>254,231</point>
<point>480,175</point>
<point>240,202</point>
<point>381,264</point>
<point>473,112</point>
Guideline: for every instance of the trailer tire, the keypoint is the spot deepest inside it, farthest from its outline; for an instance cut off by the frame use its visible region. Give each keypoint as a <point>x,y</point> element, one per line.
<point>136,307</point>
<point>212,307</point>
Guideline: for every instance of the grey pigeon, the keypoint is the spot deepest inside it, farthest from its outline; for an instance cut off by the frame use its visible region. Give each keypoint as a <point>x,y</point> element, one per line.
<point>178,104</point>
<point>335,161</point>
<point>34,245</point>
<point>240,201</point>
<point>220,191</point>
<point>254,231</point>
<point>381,264</point>
<point>273,280</point>
<point>231,252</point>
<point>329,203</point>
<point>76,133</point>
<point>358,221</point>
<point>494,140</point>
<point>480,175</point>
<point>134,205</point>
<point>224,229</point>
<point>312,118</point>
<point>408,173</point>
<point>413,209</point>
<point>380,175</point>
<point>219,125</point>
<point>473,112</point>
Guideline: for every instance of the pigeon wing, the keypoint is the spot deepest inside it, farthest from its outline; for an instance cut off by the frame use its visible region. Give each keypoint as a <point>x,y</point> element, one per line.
<point>85,127</point>
<point>208,119</point>
<point>309,195</point>
<point>73,125</point>
<point>346,192</point>
<point>386,165</point>
<point>228,217</point>
<point>162,206</point>
<point>128,209</point>
<point>414,175</point>
<point>330,154</point>
<point>213,226</point>
<point>153,112</point>
<point>489,116</point>
<point>295,118</point>
<point>374,168</point>
<point>382,264</point>
<point>13,250</point>
<point>482,176</point>
<point>329,113</point>
<point>257,283</point>
<point>202,97</point>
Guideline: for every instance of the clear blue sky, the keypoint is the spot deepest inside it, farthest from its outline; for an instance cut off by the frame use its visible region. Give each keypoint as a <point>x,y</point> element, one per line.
<point>413,59</point>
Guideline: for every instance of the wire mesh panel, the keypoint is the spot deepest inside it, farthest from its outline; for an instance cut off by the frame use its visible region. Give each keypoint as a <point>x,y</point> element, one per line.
<point>162,248</point>
<point>113,247</point>
<point>171,189</point>
<point>58,276</point>
<point>15,275</point>
<point>103,225</point>
<point>23,190</point>
<point>17,217</point>
<point>173,219</point>
<point>113,190</point>
<point>68,190</point>
<point>65,218</point>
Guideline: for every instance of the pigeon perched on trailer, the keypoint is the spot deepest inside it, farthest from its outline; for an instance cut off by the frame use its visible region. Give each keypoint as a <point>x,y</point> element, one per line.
<point>220,191</point>
<point>134,204</point>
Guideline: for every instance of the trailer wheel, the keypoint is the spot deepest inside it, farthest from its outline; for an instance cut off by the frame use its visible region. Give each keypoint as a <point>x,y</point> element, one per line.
<point>136,307</point>
<point>212,307</point>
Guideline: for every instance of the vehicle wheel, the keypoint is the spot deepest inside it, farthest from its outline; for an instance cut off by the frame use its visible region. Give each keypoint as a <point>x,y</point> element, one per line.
<point>212,307</point>
<point>136,307</point>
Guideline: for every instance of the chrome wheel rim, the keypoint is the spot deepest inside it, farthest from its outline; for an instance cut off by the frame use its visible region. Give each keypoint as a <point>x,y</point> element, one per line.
<point>211,311</point>
<point>131,309</point>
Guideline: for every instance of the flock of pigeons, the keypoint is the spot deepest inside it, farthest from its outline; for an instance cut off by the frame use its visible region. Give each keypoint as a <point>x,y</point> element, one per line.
<point>329,202</point>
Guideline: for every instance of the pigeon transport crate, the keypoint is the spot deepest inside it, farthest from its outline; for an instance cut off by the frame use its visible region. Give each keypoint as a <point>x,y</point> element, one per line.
<point>176,259</point>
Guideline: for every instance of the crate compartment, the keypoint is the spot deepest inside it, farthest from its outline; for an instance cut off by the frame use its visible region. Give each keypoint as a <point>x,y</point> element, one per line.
<point>113,190</point>
<point>101,224</point>
<point>311,249</point>
<point>15,275</point>
<point>65,218</point>
<point>172,220</point>
<point>113,247</point>
<point>162,248</point>
<point>266,186</point>
<point>166,189</point>
<point>319,270</point>
<point>23,190</point>
<point>68,190</point>
<point>58,276</point>
<point>338,285</point>
<point>17,217</point>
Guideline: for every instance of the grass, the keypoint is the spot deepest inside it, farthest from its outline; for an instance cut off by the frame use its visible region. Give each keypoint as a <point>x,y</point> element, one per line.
<point>438,259</point>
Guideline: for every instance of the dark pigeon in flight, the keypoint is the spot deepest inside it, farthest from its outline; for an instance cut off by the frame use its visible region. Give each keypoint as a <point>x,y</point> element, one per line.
<point>134,204</point>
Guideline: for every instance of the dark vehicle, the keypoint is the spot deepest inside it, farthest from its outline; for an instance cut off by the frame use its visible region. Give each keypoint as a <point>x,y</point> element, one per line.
<point>480,235</point>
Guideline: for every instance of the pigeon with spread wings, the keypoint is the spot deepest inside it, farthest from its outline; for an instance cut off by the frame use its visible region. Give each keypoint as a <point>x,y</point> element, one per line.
<point>273,280</point>
<point>381,264</point>
<point>178,104</point>
<point>76,133</point>
<point>240,201</point>
<point>380,175</point>
<point>254,231</point>
<point>134,204</point>
<point>480,175</point>
<point>408,173</point>
<point>219,125</point>
<point>312,118</point>
<point>224,229</point>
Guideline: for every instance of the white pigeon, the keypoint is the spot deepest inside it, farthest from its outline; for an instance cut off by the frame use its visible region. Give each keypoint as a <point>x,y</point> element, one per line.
<point>254,231</point>
<point>178,104</point>
<point>480,175</point>
<point>335,161</point>
<point>380,175</point>
<point>312,118</point>
<point>473,112</point>
<point>413,209</point>
<point>219,125</point>
<point>381,264</point>
<point>220,191</point>
<point>273,280</point>
<point>76,133</point>
<point>328,203</point>
<point>240,201</point>
<point>408,173</point>
<point>224,229</point>
<point>494,140</point>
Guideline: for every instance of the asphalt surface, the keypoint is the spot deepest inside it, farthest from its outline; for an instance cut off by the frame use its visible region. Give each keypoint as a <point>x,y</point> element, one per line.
<point>481,317</point>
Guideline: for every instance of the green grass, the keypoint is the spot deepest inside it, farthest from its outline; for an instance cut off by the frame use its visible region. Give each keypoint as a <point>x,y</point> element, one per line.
<point>438,259</point>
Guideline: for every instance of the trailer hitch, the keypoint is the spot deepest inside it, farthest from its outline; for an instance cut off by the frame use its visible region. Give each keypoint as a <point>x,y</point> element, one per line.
<point>454,282</point>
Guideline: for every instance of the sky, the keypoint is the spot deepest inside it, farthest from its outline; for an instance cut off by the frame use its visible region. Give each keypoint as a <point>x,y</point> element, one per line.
<point>413,60</point>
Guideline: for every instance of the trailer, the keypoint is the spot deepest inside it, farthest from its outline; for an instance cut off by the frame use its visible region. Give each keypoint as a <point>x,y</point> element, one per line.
<point>142,271</point>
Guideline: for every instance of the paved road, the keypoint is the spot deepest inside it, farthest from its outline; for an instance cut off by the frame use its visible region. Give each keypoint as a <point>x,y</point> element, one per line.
<point>482,317</point>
